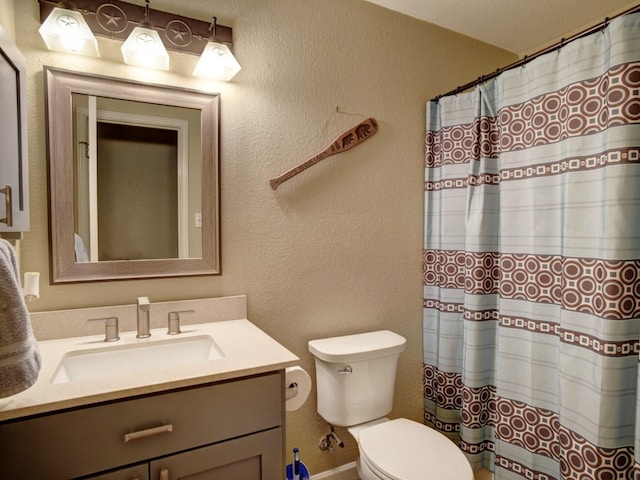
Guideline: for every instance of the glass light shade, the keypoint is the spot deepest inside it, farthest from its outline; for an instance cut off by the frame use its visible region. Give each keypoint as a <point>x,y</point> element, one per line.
<point>144,48</point>
<point>217,62</point>
<point>67,31</point>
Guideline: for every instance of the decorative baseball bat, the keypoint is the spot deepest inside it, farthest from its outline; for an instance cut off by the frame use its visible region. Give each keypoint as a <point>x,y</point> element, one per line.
<point>344,142</point>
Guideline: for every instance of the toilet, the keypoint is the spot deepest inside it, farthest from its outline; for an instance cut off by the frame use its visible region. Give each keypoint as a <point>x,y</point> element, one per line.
<point>355,377</point>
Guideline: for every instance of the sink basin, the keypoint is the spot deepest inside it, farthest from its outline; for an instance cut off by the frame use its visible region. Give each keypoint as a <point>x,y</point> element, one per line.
<point>120,360</point>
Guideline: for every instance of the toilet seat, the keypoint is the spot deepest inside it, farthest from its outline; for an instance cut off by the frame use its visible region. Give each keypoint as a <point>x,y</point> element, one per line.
<point>402,449</point>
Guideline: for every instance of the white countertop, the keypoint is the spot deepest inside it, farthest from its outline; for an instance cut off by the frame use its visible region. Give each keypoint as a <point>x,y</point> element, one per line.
<point>247,351</point>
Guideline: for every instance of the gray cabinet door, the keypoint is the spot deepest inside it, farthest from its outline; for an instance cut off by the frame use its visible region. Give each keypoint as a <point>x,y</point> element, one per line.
<point>253,457</point>
<point>14,200</point>
<point>138,472</point>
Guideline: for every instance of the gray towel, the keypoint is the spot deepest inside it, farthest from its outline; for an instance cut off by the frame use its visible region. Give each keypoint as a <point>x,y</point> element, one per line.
<point>19,352</point>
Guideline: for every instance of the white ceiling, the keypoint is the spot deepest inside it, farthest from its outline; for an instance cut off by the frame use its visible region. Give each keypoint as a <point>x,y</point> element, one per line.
<point>520,26</point>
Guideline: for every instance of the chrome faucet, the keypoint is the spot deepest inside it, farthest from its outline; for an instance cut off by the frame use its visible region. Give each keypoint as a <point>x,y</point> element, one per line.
<point>143,317</point>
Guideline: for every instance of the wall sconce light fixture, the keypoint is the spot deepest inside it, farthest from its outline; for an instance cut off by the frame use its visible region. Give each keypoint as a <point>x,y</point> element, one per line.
<point>65,29</point>
<point>119,20</point>
<point>143,46</point>
<point>216,60</point>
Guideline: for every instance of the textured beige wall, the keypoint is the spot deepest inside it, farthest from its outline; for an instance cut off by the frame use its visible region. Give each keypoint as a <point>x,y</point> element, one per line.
<point>7,17</point>
<point>336,250</point>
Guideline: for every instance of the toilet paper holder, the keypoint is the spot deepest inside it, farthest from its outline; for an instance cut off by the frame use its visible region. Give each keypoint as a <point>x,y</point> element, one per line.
<point>291,391</point>
<point>297,386</point>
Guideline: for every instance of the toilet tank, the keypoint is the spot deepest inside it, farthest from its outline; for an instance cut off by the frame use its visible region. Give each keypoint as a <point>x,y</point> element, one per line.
<point>355,375</point>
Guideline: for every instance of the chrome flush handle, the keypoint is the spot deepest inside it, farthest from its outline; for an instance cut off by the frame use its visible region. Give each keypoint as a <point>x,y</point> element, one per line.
<point>346,370</point>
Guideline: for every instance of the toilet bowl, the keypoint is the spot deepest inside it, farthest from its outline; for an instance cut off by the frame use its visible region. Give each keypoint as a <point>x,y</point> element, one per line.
<point>402,449</point>
<point>355,376</point>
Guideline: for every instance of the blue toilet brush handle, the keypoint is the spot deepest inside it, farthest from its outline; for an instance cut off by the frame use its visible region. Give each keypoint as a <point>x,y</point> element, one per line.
<point>296,464</point>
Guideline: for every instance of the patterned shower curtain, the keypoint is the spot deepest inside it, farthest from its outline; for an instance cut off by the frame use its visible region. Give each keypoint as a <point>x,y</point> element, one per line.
<point>532,264</point>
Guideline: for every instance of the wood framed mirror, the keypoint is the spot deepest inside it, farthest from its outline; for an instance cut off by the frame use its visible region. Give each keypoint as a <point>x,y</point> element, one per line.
<point>133,174</point>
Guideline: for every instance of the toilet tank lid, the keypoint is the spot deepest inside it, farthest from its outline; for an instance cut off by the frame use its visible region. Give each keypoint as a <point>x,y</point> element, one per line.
<point>361,346</point>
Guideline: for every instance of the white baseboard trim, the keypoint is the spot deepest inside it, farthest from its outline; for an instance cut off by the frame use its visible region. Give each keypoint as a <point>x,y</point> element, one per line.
<point>347,471</point>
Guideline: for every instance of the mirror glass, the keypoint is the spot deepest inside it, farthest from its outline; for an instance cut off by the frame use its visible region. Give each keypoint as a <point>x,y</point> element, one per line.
<point>133,175</point>
<point>147,163</point>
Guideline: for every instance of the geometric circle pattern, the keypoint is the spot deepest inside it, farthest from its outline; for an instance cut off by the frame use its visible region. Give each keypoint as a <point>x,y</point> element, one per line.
<point>478,406</point>
<point>459,144</point>
<point>578,109</point>
<point>536,430</point>
<point>581,459</point>
<point>609,289</point>
<point>443,388</point>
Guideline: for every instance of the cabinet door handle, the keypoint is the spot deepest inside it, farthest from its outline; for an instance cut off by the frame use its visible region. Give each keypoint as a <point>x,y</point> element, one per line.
<point>9,207</point>
<point>149,432</point>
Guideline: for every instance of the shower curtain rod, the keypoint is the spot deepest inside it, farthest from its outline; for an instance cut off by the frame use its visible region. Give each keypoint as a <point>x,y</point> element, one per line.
<point>527,58</point>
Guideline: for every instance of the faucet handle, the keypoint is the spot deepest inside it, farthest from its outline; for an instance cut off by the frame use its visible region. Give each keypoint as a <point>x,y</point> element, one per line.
<point>174,321</point>
<point>111,332</point>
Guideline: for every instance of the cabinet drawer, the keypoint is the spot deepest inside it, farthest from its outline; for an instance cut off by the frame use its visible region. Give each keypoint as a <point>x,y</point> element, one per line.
<point>88,440</point>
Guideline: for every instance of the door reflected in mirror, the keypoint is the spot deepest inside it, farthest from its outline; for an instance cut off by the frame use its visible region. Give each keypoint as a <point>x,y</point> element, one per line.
<point>134,179</point>
<point>137,193</point>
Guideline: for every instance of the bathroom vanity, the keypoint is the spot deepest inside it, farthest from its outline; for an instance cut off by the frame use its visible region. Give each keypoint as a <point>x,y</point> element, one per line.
<point>231,429</point>
<point>220,418</point>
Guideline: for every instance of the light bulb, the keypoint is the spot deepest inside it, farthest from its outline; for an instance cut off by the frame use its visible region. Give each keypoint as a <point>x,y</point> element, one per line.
<point>70,33</point>
<point>217,62</point>
<point>144,48</point>
<point>66,30</point>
